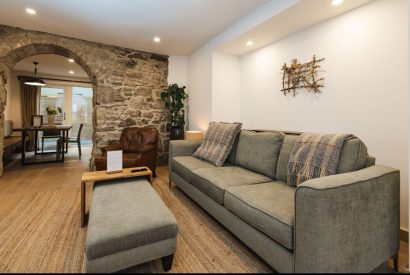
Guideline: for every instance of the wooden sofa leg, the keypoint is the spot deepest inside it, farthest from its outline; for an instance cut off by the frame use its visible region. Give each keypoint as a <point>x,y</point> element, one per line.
<point>154,174</point>
<point>396,262</point>
<point>167,262</point>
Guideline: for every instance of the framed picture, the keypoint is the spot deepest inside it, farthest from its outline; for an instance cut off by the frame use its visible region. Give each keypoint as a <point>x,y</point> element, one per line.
<point>37,121</point>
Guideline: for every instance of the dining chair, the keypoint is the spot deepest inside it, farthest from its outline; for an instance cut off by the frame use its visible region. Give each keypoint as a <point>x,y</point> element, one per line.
<point>48,134</point>
<point>72,140</point>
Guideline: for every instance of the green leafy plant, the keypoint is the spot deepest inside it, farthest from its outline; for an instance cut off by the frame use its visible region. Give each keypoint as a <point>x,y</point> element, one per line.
<point>174,98</point>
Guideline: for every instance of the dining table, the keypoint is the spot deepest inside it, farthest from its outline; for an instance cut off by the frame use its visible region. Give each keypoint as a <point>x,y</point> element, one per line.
<point>64,129</point>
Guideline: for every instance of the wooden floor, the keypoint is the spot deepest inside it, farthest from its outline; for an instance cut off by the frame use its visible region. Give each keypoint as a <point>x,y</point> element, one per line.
<point>40,226</point>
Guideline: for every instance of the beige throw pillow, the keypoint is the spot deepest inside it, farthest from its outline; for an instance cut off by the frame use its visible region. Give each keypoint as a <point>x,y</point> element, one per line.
<point>218,142</point>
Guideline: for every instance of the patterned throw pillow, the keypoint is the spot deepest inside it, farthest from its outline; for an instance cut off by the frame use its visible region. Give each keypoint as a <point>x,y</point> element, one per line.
<point>218,142</point>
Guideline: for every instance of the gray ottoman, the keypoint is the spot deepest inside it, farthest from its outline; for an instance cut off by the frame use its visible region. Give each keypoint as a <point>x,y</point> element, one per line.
<point>128,225</point>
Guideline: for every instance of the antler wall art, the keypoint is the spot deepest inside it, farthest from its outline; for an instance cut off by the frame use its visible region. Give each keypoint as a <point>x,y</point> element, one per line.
<point>302,76</point>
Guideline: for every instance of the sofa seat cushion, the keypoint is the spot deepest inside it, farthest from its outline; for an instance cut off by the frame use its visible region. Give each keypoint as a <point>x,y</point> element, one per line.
<point>269,207</point>
<point>214,181</point>
<point>185,164</point>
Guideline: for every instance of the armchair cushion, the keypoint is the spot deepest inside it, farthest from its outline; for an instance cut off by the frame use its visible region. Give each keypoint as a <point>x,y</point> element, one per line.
<point>112,147</point>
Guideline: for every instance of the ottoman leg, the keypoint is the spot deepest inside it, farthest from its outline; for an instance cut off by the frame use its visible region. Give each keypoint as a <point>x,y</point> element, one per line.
<point>167,262</point>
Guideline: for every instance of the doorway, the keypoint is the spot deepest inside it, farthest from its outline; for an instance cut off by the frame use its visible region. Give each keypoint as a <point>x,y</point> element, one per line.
<point>69,89</point>
<point>75,103</point>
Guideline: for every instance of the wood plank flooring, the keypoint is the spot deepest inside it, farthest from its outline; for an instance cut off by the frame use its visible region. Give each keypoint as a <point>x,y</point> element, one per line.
<point>40,225</point>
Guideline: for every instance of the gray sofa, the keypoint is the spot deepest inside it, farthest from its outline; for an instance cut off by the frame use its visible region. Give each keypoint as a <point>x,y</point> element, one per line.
<point>347,222</point>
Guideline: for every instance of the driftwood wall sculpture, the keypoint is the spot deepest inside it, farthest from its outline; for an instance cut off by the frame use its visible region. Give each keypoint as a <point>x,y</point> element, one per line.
<point>302,76</point>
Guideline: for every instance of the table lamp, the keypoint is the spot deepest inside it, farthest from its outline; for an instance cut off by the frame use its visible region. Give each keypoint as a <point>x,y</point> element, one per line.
<point>194,135</point>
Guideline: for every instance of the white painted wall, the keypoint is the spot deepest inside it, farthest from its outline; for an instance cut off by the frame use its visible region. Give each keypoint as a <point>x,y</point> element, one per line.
<point>408,108</point>
<point>178,70</point>
<point>200,63</point>
<point>366,83</point>
<point>225,88</point>
<point>200,90</point>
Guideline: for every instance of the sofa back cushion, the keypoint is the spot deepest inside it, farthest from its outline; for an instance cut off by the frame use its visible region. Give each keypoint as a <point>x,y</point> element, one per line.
<point>258,151</point>
<point>284,156</point>
<point>352,157</point>
<point>232,154</point>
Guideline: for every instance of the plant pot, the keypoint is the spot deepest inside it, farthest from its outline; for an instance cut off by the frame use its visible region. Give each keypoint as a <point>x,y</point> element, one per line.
<point>51,119</point>
<point>176,133</point>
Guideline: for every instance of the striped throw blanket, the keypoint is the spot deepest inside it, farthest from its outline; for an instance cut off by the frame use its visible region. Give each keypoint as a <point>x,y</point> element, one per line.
<point>315,155</point>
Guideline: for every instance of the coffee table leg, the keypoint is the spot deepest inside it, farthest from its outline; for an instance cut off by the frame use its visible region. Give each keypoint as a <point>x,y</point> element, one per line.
<point>82,202</point>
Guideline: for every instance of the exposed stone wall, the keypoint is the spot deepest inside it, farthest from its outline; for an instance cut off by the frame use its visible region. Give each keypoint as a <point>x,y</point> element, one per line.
<point>127,83</point>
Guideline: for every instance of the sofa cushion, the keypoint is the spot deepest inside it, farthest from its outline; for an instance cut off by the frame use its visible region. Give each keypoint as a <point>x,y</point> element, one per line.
<point>218,142</point>
<point>183,166</point>
<point>284,156</point>
<point>259,151</point>
<point>232,154</point>
<point>352,157</point>
<point>269,207</point>
<point>214,181</point>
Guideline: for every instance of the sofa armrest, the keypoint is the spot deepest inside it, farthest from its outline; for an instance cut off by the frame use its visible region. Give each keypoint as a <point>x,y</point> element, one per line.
<point>181,148</point>
<point>347,222</point>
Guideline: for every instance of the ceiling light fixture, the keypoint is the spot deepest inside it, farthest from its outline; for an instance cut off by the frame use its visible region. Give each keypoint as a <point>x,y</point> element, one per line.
<point>336,2</point>
<point>35,81</point>
<point>30,11</point>
<point>249,43</point>
<point>157,39</point>
<point>71,72</point>
<point>71,60</point>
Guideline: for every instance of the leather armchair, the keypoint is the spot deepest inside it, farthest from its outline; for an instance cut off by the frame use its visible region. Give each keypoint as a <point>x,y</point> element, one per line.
<point>139,146</point>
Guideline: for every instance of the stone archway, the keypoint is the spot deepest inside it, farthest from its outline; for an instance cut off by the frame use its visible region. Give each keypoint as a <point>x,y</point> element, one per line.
<point>127,83</point>
<point>13,57</point>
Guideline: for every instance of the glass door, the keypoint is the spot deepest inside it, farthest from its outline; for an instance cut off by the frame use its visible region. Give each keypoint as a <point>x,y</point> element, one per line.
<point>53,96</point>
<point>76,104</point>
<point>82,112</point>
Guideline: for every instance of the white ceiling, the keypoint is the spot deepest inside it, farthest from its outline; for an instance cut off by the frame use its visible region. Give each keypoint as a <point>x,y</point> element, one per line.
<point>298,17</point>
<point>183,25</point>
<point>50,64</point>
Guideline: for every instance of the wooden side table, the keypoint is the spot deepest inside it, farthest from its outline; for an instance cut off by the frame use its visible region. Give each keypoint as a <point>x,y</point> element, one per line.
<point>91,177</point>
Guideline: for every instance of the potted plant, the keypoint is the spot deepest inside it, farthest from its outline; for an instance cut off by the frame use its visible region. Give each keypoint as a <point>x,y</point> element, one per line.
<point>52,111</point>
<point>174,98</point>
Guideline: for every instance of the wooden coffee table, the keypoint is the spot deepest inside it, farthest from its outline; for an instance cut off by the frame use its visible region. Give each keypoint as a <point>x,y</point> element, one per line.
<point>91,177</point>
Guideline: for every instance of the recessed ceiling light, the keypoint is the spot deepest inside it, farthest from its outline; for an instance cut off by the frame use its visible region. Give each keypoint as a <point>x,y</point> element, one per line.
<point>71,72</point>
<point>249,43</point>
<point>71,60</point>
<point>30,11</point>
<point>336,2</point>
<point>157,39</point>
